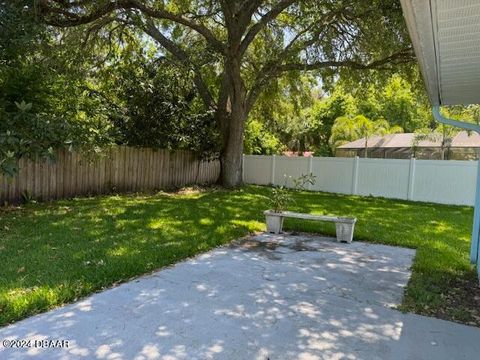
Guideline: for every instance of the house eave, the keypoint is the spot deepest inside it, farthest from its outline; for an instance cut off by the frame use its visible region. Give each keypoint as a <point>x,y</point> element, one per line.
<point>446,39</point>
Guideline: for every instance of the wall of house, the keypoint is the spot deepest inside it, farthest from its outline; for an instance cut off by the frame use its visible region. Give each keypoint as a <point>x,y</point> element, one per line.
<point>444,182</point>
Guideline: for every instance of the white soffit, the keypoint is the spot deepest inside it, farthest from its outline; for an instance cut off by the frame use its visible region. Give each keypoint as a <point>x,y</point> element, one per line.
<point>446,38</point>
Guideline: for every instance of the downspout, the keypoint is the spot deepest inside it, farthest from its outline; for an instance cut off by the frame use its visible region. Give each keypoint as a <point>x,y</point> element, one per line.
<point>474,249</point>
<point>460,124</point>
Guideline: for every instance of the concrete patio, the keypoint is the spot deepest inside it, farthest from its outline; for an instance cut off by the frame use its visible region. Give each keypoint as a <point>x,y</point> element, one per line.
<point>265,297</point>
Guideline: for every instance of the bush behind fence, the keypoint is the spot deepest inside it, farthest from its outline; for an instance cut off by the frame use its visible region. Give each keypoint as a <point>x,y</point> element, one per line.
<point>123,169</point>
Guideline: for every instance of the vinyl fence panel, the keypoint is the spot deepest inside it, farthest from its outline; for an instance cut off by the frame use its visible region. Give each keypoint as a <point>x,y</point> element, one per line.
<point>383,177</point>
<point>446,182</point>
<point>289,168</point>
<point>258,169</point>
<point>438,181</point>
<point>333,174</point>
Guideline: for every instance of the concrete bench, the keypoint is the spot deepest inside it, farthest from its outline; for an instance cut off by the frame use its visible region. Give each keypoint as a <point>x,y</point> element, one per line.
<point>344,225</point>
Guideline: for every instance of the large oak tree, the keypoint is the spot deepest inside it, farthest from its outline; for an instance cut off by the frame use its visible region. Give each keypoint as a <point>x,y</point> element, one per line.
<point>236,48</point>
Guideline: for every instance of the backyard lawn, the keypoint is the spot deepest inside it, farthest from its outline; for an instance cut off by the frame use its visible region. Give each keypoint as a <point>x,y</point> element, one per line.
<point>57,252</point>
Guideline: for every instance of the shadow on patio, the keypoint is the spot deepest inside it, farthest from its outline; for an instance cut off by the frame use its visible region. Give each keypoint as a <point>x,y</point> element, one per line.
<point>266,297</point>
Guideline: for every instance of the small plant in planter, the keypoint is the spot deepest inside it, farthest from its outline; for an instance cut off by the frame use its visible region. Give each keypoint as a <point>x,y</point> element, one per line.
<point>280,198</point>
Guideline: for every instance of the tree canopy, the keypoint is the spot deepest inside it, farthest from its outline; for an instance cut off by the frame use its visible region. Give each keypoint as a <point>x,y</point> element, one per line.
<point>234,50</point>
<point>60,89</point>
<point>216,77</point>
<point>41,105</point>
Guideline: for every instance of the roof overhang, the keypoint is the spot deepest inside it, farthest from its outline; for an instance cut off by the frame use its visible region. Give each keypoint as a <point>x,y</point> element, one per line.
<point>446,39</point>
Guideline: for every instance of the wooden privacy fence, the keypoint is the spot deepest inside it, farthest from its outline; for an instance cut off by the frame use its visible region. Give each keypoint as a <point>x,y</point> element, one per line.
<point>123,169</point>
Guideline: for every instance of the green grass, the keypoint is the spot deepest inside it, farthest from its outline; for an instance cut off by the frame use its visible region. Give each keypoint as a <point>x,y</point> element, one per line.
<point>54,253</point>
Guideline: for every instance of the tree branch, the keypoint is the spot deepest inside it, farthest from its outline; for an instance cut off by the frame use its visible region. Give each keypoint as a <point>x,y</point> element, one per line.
<point>185,60</point>
<point>163,14</point>
<point>69,17</point>
<point>401,57</point>
<point>269,16</point>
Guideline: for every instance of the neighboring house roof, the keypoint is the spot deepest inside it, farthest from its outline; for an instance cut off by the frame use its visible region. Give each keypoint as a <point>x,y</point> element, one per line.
<point>462,139</point>
<point>446,38</point>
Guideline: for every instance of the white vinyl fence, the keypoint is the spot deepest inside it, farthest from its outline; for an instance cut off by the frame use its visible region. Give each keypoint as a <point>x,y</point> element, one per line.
<point>444,182</point>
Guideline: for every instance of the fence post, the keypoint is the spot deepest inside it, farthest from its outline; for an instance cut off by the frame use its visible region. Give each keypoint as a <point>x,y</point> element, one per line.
<point>272,177</point>
<point>411,179</point>
<point>310,169</point>
<point>356,161</point>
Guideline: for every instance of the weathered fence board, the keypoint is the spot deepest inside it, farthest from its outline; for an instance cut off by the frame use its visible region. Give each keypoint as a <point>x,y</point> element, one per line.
<point>122,168</point>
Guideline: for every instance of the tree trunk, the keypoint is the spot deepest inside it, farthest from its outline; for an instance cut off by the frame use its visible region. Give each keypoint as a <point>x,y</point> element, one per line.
<point>232,120</point>
<point>232,154</point>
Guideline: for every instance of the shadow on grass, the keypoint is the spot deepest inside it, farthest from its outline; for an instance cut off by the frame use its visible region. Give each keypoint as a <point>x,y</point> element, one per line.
<point>55,253</point>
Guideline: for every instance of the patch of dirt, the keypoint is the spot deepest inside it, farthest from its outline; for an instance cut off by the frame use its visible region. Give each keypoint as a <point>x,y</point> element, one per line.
<point>462,301</point>
<point>10,208</point>
<point>190,190</point>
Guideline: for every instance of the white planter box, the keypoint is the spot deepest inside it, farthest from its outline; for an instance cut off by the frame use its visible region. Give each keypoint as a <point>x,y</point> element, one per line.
<point>274,222</point>
<point>344,231</point>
